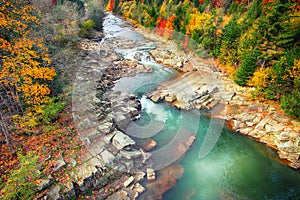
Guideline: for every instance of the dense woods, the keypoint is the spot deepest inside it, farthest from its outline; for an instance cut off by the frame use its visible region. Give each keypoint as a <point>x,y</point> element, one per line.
<point>39,44</point>
<point>255,42</point>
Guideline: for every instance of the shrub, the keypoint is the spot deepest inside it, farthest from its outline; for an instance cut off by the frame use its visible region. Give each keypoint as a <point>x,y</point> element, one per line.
<point>86,28</point>
<point>96,13</point>
<point>290,103</point>
<point>52,110</point>
<point>42,114</point>
<point>20,182</point>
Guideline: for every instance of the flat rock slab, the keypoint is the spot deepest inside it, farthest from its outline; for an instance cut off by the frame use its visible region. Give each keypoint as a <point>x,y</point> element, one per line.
<point>189,90</point>
<point>120,140</point>
<point>130,154</point>
<point>107,157</point>
<point>86,170</point>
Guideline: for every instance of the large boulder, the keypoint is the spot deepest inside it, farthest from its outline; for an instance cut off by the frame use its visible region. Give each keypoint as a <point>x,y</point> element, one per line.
<point>120,140</point>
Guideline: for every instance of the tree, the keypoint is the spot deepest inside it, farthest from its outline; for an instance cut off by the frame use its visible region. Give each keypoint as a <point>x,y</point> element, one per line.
<point>21,182</point>
<point>25,70</point>
<point>228,52</point>
<point>182,13</point>
<point>247,67</point>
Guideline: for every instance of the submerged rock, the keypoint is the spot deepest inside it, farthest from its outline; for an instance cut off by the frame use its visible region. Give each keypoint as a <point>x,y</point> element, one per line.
<point>165,181</point>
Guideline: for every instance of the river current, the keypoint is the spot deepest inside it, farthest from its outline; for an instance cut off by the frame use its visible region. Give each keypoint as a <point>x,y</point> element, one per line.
<point>235,168</point>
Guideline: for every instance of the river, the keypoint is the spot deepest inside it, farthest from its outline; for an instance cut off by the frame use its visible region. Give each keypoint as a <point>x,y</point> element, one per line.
<point>236,167</point>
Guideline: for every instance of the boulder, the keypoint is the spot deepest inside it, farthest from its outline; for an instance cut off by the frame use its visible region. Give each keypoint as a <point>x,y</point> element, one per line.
<point>69,190</point>
<point>236,124</point>
<point>119,195</point>
<point>275,128</point>
<point>54,193</point>
<point>150,174</point>
<point>128,181</point>
<point>256,133</point>
<point>129,164</point>
<point>245,131</point>
<point>108,138</point>
<point>107,157</point>
<point>170,98</point>
<point>43,184</point>
<point>130,154</point>
<point>179,64</point>
<point>284,136</point>
<point>60,163</point>
<point>133,112</point>
<point>138,176</point>
<point>248,118</point>
<point>156,97</point>
<point>138,188</point>
<point>121,120</point>
<point>250,124</point>
<point>106,128</point>
<point>262,123</point>
<point>148,144</point>
<point>120,140</point>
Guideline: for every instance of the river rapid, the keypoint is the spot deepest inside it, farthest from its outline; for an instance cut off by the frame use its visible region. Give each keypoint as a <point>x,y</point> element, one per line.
<point>236,167</point>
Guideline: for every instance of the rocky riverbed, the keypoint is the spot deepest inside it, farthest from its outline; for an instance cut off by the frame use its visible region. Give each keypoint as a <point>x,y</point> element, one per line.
<point>115,165</point>
<point>202,86</point>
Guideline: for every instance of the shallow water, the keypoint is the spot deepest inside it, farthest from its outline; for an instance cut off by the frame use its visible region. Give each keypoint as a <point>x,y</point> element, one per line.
<point>236,167</point>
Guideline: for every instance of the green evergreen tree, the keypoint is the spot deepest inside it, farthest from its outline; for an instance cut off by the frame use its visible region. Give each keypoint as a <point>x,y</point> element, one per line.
<point>227,44</point>
<point>247,67</point>
<point>182,13</point>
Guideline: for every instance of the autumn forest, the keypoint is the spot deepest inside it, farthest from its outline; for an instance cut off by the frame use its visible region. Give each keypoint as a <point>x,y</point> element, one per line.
<point>254,42</point>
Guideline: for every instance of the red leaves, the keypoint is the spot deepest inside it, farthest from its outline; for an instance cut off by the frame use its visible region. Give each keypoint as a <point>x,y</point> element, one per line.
<point>52,142</point>
<point>111,5</point>
<point>265,2</point>
<point>164,27</point>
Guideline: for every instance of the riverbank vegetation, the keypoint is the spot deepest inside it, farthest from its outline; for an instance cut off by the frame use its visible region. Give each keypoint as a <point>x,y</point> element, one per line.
<point>255,42</point>
<point>39,46</point>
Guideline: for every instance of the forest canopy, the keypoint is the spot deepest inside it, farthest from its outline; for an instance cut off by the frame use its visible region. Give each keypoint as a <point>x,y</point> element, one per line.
<point>255,42</point>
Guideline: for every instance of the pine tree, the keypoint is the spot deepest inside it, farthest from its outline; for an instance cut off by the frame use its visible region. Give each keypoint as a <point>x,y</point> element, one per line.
<point>247,67</point>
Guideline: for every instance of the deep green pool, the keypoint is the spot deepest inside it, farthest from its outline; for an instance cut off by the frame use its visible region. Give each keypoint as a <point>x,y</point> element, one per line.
<point>236,168</point>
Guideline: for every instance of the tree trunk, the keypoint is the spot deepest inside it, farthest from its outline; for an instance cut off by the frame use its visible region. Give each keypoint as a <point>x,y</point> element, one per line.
<point>4,130</point>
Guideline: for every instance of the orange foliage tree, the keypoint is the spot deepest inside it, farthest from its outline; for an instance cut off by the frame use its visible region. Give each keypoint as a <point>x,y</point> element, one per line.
<point>110,5</point>
<point>164,27</point>
<point>25,65</point>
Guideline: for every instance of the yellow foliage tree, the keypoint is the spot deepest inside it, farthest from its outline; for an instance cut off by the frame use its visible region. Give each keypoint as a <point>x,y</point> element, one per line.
<point>25,64</point>
<point>163,11</point>
<point>198,21</point>
<point>295,71</point>
<point>260,78</point>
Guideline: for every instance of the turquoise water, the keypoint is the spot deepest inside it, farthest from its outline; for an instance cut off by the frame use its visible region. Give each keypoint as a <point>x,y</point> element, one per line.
<point>236,168</point>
